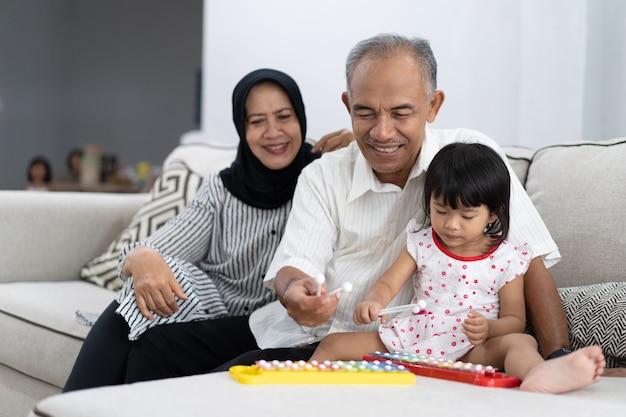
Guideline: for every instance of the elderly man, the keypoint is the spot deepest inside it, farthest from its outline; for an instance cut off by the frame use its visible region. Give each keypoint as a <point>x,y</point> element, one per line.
<point>351,207</point>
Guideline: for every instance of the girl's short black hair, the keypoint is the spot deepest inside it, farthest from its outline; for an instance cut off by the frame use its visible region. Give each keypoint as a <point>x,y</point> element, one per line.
<point>471,174</point>
<point>43,161</point>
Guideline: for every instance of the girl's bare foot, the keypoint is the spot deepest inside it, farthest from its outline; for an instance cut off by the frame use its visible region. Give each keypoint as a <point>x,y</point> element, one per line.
<point>567,373</point>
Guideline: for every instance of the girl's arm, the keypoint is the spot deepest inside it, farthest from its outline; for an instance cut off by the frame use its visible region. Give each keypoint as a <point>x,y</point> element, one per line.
<point>387,286</point>
<point>512,318</point>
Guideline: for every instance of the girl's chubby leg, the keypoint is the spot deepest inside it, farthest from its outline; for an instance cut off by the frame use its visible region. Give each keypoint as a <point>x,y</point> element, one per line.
<point>348,346</point>
<point>517,355</point>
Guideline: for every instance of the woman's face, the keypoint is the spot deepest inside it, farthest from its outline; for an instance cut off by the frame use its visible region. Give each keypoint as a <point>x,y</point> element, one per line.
<point>272,127</point>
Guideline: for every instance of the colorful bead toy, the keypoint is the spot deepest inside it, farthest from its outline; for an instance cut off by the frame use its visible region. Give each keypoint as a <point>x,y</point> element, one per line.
<point>328,372</point>
<point>450,370</point>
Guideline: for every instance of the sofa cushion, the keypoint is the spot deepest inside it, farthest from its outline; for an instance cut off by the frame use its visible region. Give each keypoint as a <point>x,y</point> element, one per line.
<point>578,190</point>
<point>169,196</point>
<point>41,336</point>
<point>596,315</point>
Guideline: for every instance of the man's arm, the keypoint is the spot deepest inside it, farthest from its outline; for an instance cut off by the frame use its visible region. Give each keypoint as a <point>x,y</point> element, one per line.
<point>545,309</point>
<point>297,292</point>
<point>543,305</point>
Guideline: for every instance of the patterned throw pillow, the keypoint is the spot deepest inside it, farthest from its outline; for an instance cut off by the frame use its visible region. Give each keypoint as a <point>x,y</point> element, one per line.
<point>596,315</point>
<point>168,197</point>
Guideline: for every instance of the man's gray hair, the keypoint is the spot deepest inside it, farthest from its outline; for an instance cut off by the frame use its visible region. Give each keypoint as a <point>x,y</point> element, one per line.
<point>386,45</point>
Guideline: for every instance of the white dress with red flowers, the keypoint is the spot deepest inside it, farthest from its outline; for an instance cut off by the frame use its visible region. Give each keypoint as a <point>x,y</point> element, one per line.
<point>451,286</point>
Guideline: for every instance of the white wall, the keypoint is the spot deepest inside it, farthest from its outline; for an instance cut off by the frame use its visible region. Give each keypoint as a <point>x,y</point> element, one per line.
<point>605,80</point>
<point>517,70</point>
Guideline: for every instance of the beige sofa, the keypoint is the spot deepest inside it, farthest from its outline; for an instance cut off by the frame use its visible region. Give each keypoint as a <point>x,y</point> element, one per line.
<point>47,238</point>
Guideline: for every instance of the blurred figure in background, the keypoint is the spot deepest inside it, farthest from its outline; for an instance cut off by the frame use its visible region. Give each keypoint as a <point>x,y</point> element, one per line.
<point>39,175</point>
<point>73,162</point>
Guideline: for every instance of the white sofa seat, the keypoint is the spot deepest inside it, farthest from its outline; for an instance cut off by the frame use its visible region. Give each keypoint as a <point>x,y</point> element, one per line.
<point>41,319</point>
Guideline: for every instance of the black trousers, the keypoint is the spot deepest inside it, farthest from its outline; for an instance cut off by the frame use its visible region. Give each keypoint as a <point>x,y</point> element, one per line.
<point>279,354</point>
<point>107,357</point>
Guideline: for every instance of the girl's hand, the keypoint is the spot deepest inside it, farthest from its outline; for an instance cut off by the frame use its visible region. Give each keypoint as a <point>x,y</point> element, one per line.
<point>476,328</point>
<point>367,312</point>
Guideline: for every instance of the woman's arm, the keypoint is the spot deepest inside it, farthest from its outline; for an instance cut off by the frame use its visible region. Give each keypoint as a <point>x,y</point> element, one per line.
<point>334,140</point>
<point>186,237</point>
<point>154,282</point>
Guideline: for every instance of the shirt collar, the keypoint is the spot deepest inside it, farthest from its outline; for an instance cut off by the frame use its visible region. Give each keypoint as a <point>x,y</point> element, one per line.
<point>430,147</point>
<point>364,180</point>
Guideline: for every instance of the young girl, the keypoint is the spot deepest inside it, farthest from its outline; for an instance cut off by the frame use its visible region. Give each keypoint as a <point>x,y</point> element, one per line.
<point>471,279</point>
<point>39,175</point>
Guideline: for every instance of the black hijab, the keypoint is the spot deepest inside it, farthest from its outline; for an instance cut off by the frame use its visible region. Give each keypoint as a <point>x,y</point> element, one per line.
<point>247,178</point>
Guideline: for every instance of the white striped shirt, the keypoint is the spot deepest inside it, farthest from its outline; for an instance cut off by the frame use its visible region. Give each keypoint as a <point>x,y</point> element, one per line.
<point>218,249</point>
<point>350,227</point>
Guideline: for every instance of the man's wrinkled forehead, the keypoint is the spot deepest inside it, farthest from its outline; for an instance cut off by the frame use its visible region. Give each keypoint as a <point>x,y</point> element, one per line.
<point>368,71</point>
<point>386,84</point>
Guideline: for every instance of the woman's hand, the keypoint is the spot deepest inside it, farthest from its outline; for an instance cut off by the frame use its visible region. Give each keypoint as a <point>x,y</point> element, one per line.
<point>334,140</point>
<point>155,285</point>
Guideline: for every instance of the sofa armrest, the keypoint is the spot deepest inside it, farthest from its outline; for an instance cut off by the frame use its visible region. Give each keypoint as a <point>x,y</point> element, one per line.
<point>49,236</point>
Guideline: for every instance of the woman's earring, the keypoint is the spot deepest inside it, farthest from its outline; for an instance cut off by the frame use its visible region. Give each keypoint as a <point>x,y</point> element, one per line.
<point>488,228</point>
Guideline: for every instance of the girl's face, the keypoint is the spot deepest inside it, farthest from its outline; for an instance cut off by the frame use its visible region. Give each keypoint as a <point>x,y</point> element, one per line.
<point>461,230</point>
<point>272,127</point>
<point>38,172</point>
<point>75,163</point>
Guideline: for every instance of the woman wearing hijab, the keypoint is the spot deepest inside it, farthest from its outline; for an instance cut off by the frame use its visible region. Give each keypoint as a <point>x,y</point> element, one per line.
<point>190,287</point>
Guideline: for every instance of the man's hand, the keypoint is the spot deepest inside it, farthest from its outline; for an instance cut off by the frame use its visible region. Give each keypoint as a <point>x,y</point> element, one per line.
<point>334,140</point>
<point>155,285</point>
<point>476,328</point>
<point>298,293</point>
<point>367,312</point>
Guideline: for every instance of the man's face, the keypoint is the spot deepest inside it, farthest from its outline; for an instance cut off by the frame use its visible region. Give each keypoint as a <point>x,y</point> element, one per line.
<point>389,110</point>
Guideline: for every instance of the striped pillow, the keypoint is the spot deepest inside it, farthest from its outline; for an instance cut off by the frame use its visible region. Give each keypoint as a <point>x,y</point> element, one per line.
<point>169,195</point>
<point>596,315</point>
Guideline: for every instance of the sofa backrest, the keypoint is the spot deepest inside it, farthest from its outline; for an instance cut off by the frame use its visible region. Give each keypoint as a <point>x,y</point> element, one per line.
<point>48,236</point>
<point>519,159</point>
<point>579,190</point>
<point>203,157</point>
